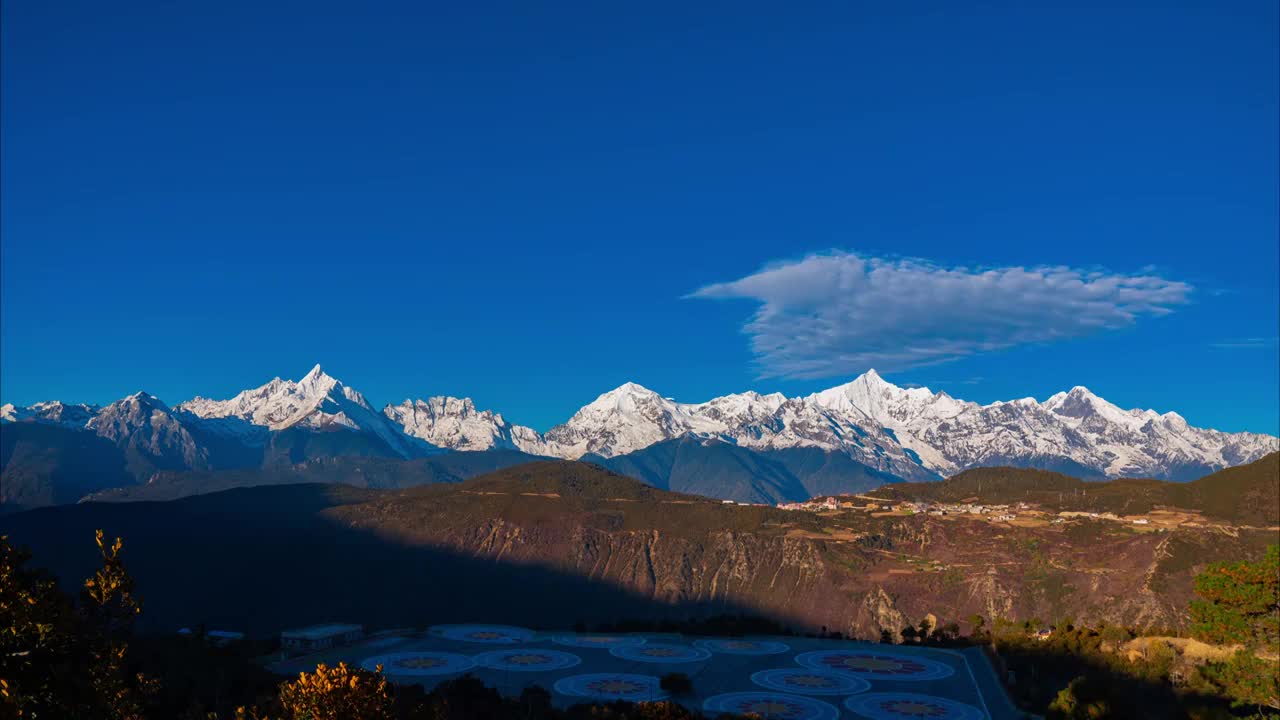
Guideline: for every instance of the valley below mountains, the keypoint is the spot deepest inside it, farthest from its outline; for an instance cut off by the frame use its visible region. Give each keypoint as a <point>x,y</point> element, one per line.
<point>552,544</point>
<point>745,447</point>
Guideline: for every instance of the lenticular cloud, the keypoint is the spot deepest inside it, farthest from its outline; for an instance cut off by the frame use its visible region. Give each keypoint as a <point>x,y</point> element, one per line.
<point>836,313</point>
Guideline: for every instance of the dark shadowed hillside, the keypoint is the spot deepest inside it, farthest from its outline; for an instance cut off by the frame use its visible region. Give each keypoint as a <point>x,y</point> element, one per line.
<point>266,558</point>
<point>553,543</point>
<point>366,472</point>
<point>50,465</point>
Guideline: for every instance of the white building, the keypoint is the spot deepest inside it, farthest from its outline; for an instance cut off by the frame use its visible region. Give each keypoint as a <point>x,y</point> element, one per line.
<point>215,637</point>
<point>319,637</point>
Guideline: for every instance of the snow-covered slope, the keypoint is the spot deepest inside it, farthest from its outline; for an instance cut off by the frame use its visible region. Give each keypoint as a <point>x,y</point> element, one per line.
<point>318,402</point>
<point>911,433</point>
<point>456,424</point>
<point>53,412</point>
<point>623,420</point>
<point>631,417</point>
<point>1075,431</point>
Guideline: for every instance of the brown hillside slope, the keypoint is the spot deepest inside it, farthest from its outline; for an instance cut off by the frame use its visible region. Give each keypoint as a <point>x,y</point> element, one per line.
<point>552,543</point>
<point>1242,495</point>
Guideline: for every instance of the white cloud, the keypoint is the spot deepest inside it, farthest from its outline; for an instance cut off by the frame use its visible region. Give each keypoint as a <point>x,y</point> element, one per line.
<point>840,313</point>
<point>1245,343</point>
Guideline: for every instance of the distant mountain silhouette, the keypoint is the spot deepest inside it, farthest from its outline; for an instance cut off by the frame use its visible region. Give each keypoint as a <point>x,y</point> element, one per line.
<point>724,470</point>
<point>52,465</point>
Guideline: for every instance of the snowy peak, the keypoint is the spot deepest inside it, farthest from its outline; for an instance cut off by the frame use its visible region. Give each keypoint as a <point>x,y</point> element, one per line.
<point>137,409</point>
<point>53,412</point>
<point>623,399</point>
<point>455,423</point>
<point>912,433</point>
<point>314,375</point>
<point>143,423</point>
<point>318,401</point>
<point>279,404</point>
<point>317,385</point>
<point>623,420</point>
<point>632,417</point>
<point>891,406</point>
<point>139,405</point>
<point>1080,406</point>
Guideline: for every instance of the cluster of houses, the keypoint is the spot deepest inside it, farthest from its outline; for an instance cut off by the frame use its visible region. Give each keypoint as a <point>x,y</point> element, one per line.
<point>1103,516</point>
<point>998,513</point>
<point>995,513</point>
<point>818,504</point>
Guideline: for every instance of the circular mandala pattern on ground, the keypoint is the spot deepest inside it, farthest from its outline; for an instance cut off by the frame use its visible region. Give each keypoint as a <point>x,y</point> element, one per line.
<point>908,706</point>
<point>598,641</point>
<point>660,653</point>
<point>875,664</point>
<point>743,647</point>
<point>385,642</point>
<point>611,686</point>
<point>771,706</point>
<point>527,660</point>
<point>419,662</point>
<point>487,634</point>
<point>806,681</point>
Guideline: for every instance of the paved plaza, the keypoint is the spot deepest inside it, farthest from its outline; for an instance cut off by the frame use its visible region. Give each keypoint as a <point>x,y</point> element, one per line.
<point>782,678</point>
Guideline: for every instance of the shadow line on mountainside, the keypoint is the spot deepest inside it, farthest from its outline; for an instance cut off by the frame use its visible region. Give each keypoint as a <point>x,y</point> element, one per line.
<point>268,559</point>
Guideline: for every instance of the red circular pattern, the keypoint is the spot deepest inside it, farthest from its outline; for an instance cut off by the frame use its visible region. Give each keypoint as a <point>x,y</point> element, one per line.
<point>913,709</point>
<point>874,664</point>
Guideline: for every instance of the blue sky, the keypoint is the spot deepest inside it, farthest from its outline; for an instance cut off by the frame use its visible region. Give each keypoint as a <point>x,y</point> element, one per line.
<point>531,203</point>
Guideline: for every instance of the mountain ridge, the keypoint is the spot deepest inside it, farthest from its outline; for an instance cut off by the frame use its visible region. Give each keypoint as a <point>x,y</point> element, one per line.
<point>883,430</point>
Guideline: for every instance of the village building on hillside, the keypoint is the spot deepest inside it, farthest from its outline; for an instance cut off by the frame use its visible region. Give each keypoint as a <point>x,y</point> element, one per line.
<point>219,638</point>
<point>814,505</point>
<point>321,637</point>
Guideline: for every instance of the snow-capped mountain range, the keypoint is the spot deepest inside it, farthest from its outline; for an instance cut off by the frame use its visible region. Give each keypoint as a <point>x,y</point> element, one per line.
<point>909,433</point>
<point>316,402</point>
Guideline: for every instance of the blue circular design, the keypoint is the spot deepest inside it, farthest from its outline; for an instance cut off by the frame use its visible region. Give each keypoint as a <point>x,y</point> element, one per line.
<point>486,634</point>
<point>612,686</point>
<point>732,646</point>
<point>660,653</point>
<point>910,706</point>
<point>419,662</point>
<point>523,660</point>
<point>771,706</point>
<point>385,642</point>
<point>598,641</point>
<point>876,664</point>
<point>806,681</point>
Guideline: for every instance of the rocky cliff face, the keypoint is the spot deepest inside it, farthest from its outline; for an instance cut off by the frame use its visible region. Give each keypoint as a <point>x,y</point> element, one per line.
<point>149,433</point>
<point>551,544</point>
<point>868,576</point>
